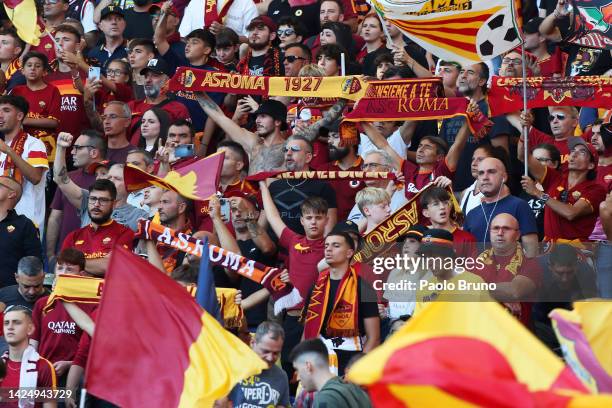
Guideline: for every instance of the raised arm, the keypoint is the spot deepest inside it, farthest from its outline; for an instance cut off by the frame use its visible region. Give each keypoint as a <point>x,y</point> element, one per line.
<point>380,142</point>
<point>272,214</point>
<point>517,289</point>
<point>548,27</point>
<point>452,157</point>
<point>81,318</point>
<point>247,139</point>
<point>312,132</point>
<point>159,36</point>
<point>71,190</point>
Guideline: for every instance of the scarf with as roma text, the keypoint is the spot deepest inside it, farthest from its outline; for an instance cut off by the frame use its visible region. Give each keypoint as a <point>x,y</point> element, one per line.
<point>283,294</point>
<point>344,319</point>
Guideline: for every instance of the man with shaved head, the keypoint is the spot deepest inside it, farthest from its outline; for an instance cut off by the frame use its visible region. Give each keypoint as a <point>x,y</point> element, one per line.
<point>497,199</point>
<point>505,264</point>
<point>18,235</point>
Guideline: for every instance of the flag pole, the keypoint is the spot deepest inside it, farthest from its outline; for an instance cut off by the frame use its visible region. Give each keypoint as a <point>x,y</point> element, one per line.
<point>82,401</point>
<point>525,130</point>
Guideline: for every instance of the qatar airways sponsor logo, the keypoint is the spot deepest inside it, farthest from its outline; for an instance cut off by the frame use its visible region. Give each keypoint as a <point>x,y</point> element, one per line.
<point>62,327</point>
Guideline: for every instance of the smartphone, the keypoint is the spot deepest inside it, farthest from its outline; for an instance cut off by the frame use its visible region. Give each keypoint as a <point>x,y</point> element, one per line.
<point>224,208</point>
<point>94,73</point>
<point>184,150</point>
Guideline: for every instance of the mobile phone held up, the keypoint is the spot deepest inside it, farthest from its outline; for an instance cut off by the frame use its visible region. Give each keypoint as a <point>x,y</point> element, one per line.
<point>224,208</point>
<point>184,150</point>
<point>94,73</point>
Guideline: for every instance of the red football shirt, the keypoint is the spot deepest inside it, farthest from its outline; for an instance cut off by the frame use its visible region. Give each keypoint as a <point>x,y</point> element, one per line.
<point>82,353</point>
<point>124,93</point>
<point>555,226</point>
<point>57,334</point>
<point>97,243</point>
<point>537,137</point>
<point>416,178</point>
<point>464,243</point>
<point>304,256</point>
<point>44,104</point>
<point>46,378</point>
<point>604,176</point>
<point>345,190</point>
<point>175,109</point>
<point>72,111</point>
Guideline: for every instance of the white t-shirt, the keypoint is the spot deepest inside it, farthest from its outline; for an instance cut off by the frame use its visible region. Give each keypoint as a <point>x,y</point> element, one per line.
<point>87,17</point>
<point>32,203</point>
<point>238,17</point>
<point>395,140</point>
<point>469,201</point>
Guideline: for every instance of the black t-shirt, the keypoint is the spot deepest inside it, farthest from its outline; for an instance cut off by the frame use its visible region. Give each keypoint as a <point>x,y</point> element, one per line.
<point>308,15</point>
<point>537,206</point>
<point>258,313</point>
<point>368,67</point>
<point>137,24</point>
<point>256,65</point>
<point>10,296</point>
<point>288,195</point>
<point>366,298</point>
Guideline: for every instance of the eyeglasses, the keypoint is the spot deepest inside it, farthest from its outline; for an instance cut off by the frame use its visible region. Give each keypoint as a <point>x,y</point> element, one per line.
<point>77,147</point>
<point>292,148</point>
<point>101,200</point>
<point>366,166</point>
<point>558,116</point>
<point>513,61</point>
<point>286,32</point>
<point>115,72</point>
<point>292,58</point>
<point>112,116</point>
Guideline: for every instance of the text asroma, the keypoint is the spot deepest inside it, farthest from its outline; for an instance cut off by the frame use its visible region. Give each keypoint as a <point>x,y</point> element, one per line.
<point>423,284</point>
<point>424,263</point>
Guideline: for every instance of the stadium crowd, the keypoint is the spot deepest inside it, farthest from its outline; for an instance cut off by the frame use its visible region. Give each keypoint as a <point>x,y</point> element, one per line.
<point>92,98</point>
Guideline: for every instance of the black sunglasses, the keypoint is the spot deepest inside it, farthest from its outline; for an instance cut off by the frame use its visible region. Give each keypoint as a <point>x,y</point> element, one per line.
<point>293,58</point>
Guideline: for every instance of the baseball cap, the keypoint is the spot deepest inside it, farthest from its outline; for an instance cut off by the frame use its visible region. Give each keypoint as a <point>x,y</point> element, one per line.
<point>262,20</point>
<point>574,141</point>
<point>438,242</point>
<point>533,25</point>
<point>274,108</point>
<point>345,226</point>
<point>416,231</point>
<point>91,169</point>
<point>108,10</point>
<point>156,65</point>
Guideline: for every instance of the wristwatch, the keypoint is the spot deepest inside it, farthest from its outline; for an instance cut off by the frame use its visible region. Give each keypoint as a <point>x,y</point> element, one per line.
<point>545,197</point>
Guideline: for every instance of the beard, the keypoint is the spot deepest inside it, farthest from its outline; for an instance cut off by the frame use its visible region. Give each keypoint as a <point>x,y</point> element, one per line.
<point>336,153</point>
<point>258,46</point>
<point>100,219</point>
<point>152,91</point>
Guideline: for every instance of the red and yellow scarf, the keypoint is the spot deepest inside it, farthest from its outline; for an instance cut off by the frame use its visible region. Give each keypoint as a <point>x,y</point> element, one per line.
<point>344,319</point>
<point>18,146</point>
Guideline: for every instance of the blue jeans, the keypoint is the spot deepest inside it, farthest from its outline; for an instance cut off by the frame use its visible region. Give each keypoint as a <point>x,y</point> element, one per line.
<point>604,269</point>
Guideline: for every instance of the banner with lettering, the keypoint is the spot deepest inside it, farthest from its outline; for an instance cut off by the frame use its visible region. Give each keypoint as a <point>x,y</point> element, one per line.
<point>506,94</point>
<point>323,175</point>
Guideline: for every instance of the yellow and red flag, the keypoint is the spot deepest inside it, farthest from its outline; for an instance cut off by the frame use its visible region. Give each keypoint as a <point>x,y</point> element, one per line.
<point>585,336</point>
<point>465,31</point>
<point>468,354</point>
<point>196,181</point>
<point>154,346</point>
<point>22,14</point>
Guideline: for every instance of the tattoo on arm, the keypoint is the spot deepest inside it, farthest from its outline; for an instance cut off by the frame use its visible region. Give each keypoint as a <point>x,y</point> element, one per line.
<point>253,228</point>
<point>206,102</point>
<point>63,176</point>
<point>312,131</point>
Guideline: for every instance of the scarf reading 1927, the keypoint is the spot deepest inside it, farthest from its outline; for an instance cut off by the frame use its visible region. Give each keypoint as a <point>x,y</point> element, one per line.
<point>283,294</point>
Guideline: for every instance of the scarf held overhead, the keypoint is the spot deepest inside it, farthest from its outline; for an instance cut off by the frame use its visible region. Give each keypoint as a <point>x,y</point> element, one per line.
<point>75,289</point>
<point>283,294</point>
<point>323,175</point>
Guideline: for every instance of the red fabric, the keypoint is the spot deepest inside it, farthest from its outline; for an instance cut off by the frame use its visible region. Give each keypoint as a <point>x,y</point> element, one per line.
<point>124,93</point>
<point>46,378</point>
<point>345,190</point>
<point>555,226</point>
<point>82,353</point>
<point>416,179</point>
<point>57,334</point>
<point>553,64</point>
<point>162,306</point>
<point>175,109</point>
<point>240,189</point>
<point>44,103</point>
<point>96,243</point>
<point>464,243</point>
<point>536,137</point>
<point>604,176</point>
<point>72,118</point>
<point>46,46</point>
<point>304,256</point>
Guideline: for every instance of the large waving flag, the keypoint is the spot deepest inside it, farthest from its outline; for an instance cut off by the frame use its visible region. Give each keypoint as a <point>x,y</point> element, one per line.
<point>585,336</point>
<point>468,354</point>
<point>463,31</point>
<point>155,347</point>
<point>592,24</point>
<point>22,14</point>
<point>196,181</point>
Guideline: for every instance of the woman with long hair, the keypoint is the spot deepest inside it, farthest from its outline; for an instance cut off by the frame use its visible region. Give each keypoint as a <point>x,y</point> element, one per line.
<point>153,130</point>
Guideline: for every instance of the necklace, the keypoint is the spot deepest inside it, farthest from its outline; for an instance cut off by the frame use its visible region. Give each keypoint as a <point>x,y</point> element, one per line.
<point>297,185</point>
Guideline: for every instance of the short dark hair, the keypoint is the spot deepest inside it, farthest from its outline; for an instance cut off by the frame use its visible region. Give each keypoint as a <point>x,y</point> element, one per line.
<point>441,145</point>
<point>35,54</point>
<point>484,74</point>
<point>67,28</point>
<point>148,158</point>
<point>187,273</point>
<point>315,346</point>
<point>555,154</point>
<point>236,148</point>
<point>315,204</point>
<point>147,43</point>
<point>273,329</point>
<point>184,122</point>
<point>96,140</point>
<point>432,195</point>
<point>305,50</point>
<point>402,71</point>
<point>295,23</point>
<point>333,51</point>
<point>226,37</point>
<point>11,32</point>
<point>18,102</point>
<point>383,57</point>
<point>29,266</point>
<point>203,35</point>
<point>72,256</point>
<point>338,2</point>
<point>563,255</point>
<point>347,237</point>
<point>104,185</point>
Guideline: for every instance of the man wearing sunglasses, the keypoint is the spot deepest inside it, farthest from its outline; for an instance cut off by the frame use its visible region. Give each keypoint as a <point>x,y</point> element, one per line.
<point>97,239</point>
<point>571,198</point>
